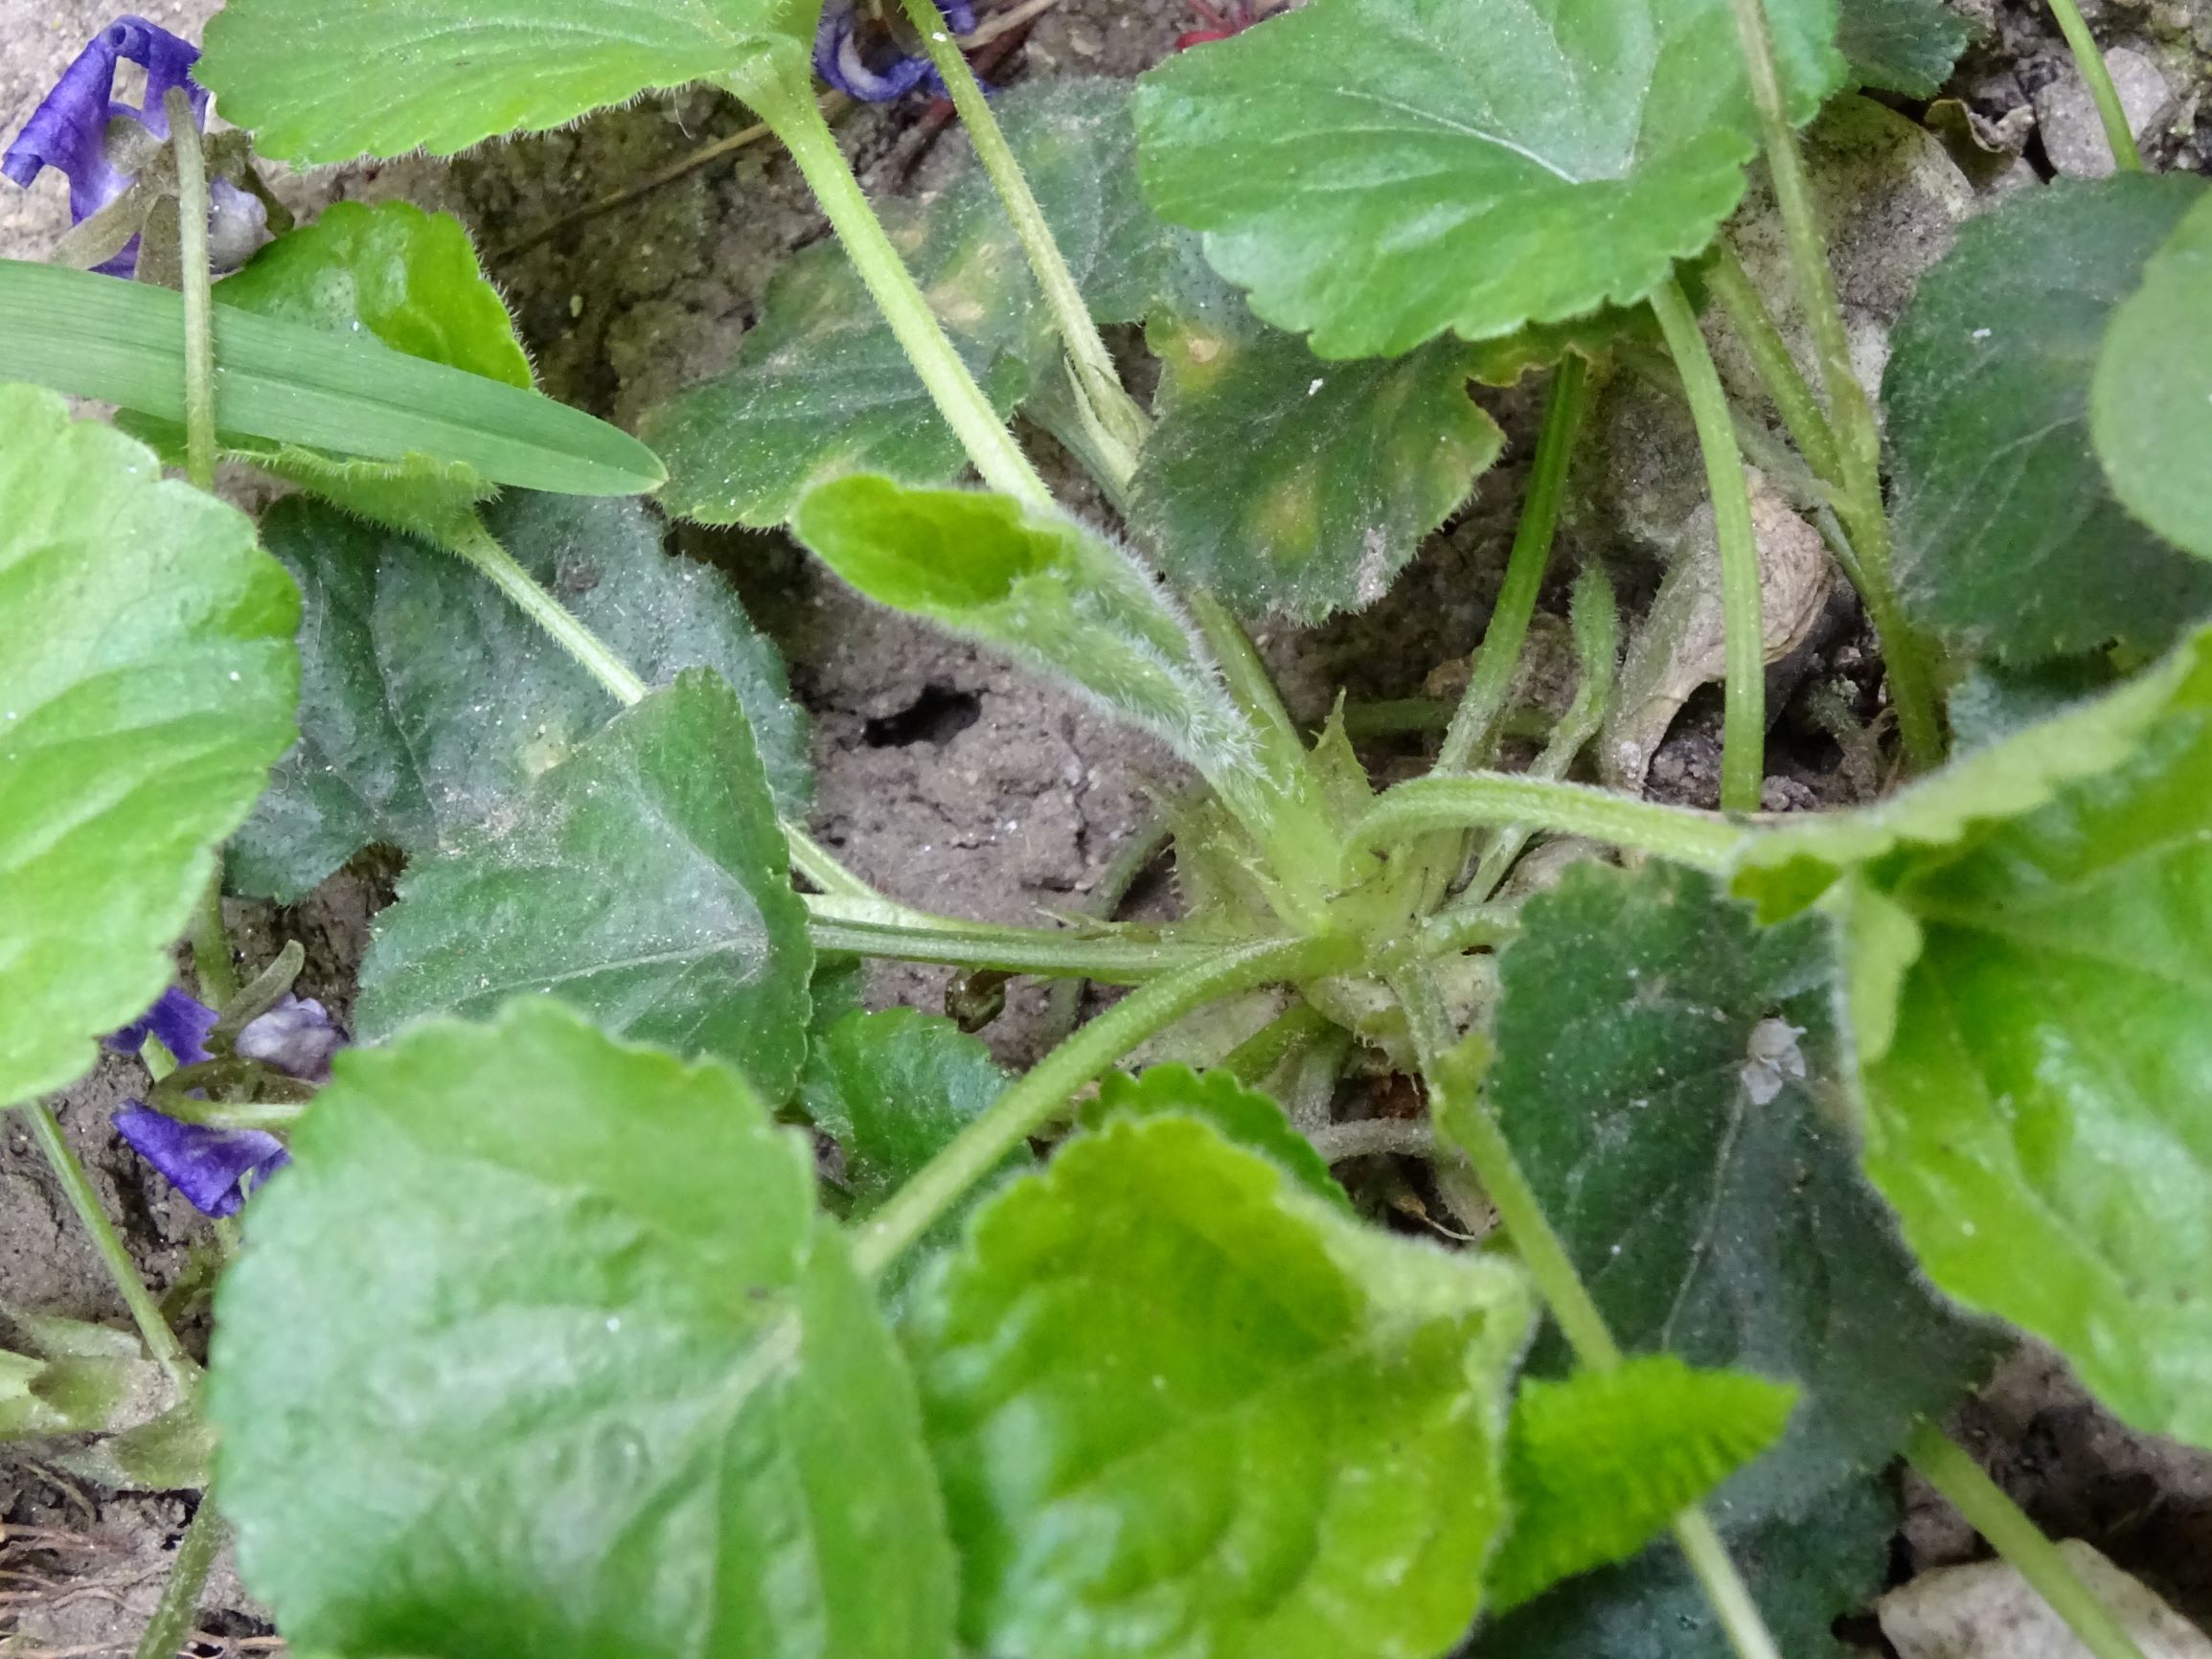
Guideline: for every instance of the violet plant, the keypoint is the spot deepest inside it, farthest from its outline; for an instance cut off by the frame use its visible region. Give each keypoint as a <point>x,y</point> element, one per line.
<point>550,1336</point>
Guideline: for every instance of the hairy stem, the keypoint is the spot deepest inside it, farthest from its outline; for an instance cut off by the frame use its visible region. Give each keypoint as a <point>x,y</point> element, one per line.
<point>1850,414</point>
<point>1777,367</point>
<point>1744,720</point>
<point>1948,1468</point>
<point>470,542</point>
<point>1368,1137</point>
<point>874,926</point>
<point>77,1185</point>
<point>1597,627</point>
<point>1250,684</point>
<point>192,212</point>
<point>210,945</point>
<point>1705,840</point>
<point>1120,425</point>
<point>1462,1118</point>
<point>2090,61</point>
<point>195,1553</point>
<point>1463,926</point>
<point>1473,729</point>
<point>1025,1106</point>
<point>791,113</point>
<point>820,865</point>
<point>1724,1588</point>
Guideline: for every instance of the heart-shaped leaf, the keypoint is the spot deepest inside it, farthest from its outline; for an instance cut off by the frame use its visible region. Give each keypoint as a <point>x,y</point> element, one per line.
<point>644,879</point>
<point>1378,171</point>
<point>1668,1073</point>
<point>147,683</point>
<point>428,701</point>
<point>539,1348</point>
<point>2009,538</point>
<point>1288,484</point>
<point>2151,403</point>
<point>1178,1403</point>
<point>319,82</point>
<point>2033,1010</point>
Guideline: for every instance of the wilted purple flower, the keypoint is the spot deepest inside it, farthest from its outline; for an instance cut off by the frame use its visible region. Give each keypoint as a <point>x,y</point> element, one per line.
<point>212,1168</point>
<point>856,53</point>
<point>70,131</point>
<point>182,1023</point>
<point>215,1168</point>
<point>297,1037</point>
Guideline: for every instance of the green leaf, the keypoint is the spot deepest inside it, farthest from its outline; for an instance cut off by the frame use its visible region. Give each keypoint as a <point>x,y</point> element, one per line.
<point>407,279</point>
<point>1252,1120</point>
<point>1290,485</point>
<point>2035,1054</point>
<point>644,879</point>
<point>147,683</point>
<point>1597,1465</point>
<point>2151,402</point>
<point>428,700</point>
<point>1045,590</point>
<point>1806,1570</point>
<point>1668,1073</point>
<point>123,343</point>
<point>1634,1010</point>
<point>893,1089</point>
<point>539,1348</point>
<point>1786,867</point>
<point>821,387</point>
<point>76,1378</point>
<point>1903,46</point>
<point>1377,171</point>
<point>2009,540</point>
<point>321,84</point>
<point>1178,1404</point>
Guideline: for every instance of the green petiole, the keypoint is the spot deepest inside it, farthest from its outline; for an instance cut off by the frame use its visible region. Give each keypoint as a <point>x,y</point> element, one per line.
<point>76,1187</point>
<point>791,113</point>
<point>874,927</point>
<point>1743,721</point>
<point>1850,414</point>
<point>1474,724</point>
<point>192,211</point>
<point>1948,1468</point>
<point>2098,77</point>
<point>1119,424</point>
<point>1705,840</point>
<point>1462,1119</point>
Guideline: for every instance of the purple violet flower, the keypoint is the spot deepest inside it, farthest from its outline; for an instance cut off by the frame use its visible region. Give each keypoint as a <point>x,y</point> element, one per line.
<point>297,1037</point>
<point>69,132</point>
<point>182,1023</point>
<point>215,1168</point>
<point>855,53</point>
<point>212,1168</point>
